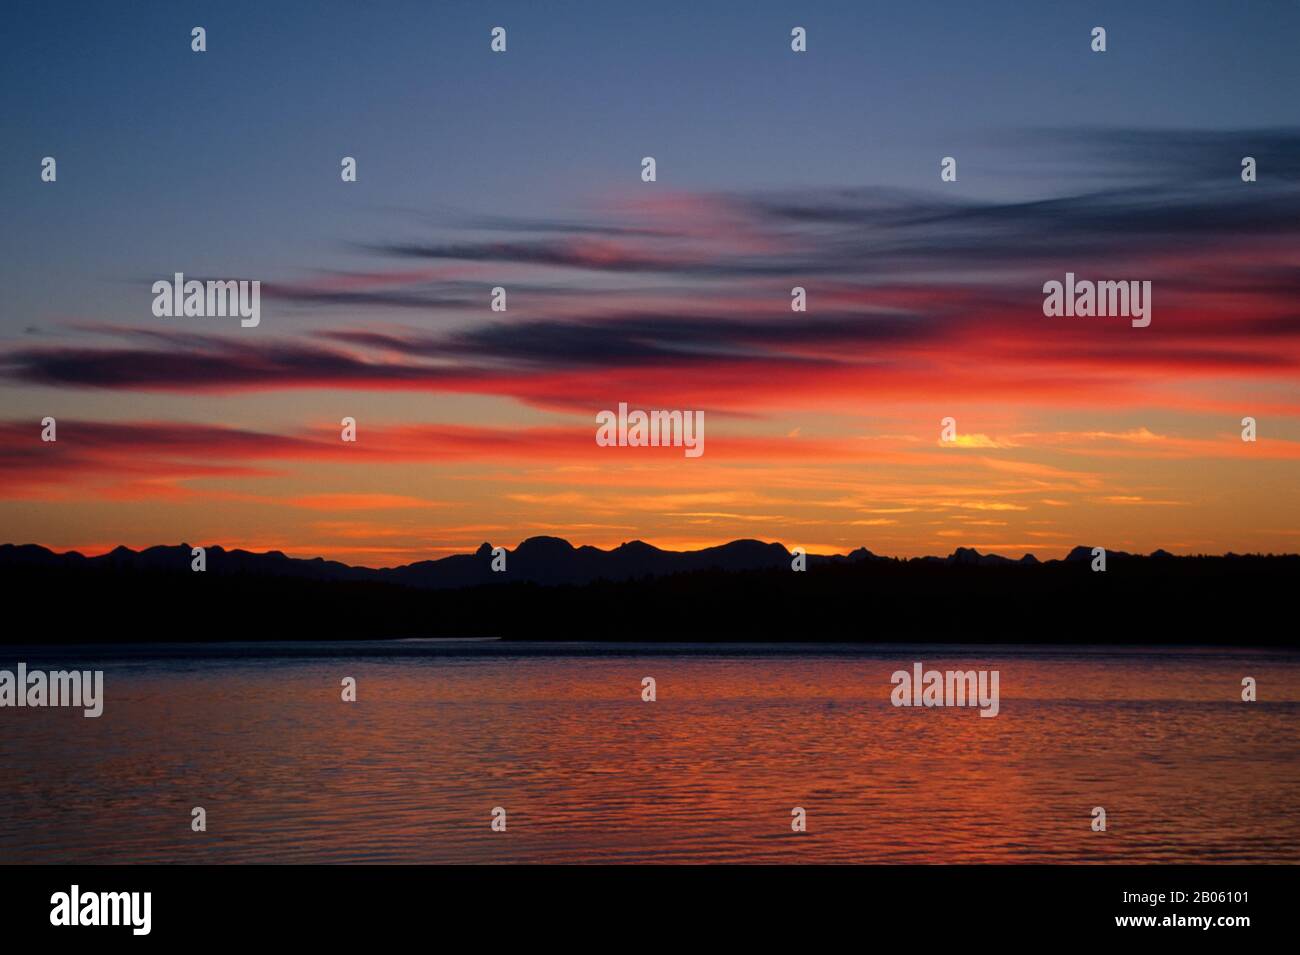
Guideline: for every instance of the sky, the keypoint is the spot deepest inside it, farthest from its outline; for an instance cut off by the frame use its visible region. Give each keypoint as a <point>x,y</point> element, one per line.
<point>775,169</point>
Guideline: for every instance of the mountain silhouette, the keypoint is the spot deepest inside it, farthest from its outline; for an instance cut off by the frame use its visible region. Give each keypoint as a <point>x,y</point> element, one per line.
<point>744,590</point>
<point>548,561</point>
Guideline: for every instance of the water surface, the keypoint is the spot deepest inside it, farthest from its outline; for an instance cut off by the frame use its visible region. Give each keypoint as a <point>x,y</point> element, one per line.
<point>558,735</point>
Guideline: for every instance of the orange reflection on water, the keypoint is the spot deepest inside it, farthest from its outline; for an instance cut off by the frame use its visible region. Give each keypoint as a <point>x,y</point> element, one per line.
<point>709,772</point>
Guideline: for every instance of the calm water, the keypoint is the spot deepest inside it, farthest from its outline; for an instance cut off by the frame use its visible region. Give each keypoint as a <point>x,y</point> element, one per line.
<point>558,735</point>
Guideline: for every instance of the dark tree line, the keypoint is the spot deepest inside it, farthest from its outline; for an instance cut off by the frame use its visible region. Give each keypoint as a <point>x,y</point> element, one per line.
<point>1185,600</point>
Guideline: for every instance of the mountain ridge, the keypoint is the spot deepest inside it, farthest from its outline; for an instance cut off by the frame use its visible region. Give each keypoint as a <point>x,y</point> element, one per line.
<point>741,591</point>
<point>543,560</point>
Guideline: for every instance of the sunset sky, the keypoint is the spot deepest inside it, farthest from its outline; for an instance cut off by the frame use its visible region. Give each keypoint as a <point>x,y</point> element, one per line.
<point>775,170</point>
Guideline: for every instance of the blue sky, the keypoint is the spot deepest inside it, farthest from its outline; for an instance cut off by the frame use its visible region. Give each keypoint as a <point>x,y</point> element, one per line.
<point>231,156</point>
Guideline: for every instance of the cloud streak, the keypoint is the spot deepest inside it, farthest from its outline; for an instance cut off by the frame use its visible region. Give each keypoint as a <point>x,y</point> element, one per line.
<point>908,294</point>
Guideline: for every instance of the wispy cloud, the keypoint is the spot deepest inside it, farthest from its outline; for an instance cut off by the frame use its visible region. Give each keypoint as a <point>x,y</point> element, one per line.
<point>907,292</point>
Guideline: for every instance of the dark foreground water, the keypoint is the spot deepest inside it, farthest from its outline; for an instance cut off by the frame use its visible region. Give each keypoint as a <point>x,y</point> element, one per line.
<point>558,736</point>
